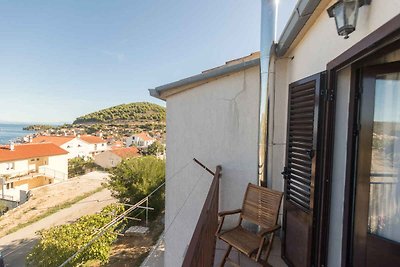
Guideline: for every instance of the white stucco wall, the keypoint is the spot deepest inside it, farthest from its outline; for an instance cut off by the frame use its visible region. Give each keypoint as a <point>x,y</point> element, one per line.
<point>322,44</point>
<point>20,168</point>
<point>59,164</point>
<point>76,148</point>
<point>79,148</point>
<point>217,123</point>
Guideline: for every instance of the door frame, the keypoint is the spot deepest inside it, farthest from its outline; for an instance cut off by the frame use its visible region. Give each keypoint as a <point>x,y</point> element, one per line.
<point>381,41</point>
<point>361,215</point>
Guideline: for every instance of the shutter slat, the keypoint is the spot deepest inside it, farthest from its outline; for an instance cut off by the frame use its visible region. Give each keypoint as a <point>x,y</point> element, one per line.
<point>300,143</point>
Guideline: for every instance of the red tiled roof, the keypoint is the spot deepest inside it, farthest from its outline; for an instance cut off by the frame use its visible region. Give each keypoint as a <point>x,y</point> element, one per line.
<point>57,140</point>
<point>126,152</point>
<point>144,136</point>
<point>117,144</point>
<point>27,151</point>
<point>92,139</point>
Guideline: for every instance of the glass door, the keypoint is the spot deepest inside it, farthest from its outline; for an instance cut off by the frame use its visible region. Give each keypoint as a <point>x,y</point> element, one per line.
<point>377,209</point>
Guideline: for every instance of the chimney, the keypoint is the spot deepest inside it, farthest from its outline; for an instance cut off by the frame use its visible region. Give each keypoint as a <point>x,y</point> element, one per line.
<point>12,146</point>
<point>268,27</point>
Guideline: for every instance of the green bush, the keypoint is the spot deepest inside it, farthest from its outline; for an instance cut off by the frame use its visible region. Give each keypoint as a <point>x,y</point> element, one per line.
<point>133,179</point>
<point>156,148</point>
<point>59,243</point>
<point>76,166</point>
<point>3,207</point>
<point>79,166</point>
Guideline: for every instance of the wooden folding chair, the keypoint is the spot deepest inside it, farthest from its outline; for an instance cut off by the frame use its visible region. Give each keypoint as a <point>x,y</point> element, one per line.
<point>260,207</point>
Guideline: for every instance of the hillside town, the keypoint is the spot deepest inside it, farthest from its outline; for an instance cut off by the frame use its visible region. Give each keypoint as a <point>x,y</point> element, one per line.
<point>43,159</point>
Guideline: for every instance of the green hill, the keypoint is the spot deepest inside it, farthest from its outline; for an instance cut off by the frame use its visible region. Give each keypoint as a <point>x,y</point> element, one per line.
<point>134,112</point>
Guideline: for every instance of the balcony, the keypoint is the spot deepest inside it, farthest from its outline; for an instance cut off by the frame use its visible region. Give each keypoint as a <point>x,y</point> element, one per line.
<point>206,250</point>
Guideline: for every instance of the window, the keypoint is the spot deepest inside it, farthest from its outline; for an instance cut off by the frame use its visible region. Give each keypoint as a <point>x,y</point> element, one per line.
<point>11,166</point>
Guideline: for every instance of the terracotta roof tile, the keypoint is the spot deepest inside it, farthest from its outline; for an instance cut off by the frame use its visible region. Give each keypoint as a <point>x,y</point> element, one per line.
<point>92,139</point>
<point>58,140</point>
<point>126,152</point>
<point>27,151</point>
<point>117,144</point>
<point>144,136</point>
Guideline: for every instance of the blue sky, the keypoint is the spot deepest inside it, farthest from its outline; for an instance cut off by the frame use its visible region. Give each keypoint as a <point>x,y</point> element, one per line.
<point>63,59</point>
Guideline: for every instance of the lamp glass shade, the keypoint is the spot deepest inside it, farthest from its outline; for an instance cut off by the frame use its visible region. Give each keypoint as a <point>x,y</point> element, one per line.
<point>345,13</point>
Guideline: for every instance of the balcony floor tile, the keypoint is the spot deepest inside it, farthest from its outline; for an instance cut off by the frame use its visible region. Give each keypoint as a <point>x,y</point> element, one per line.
<point>274,258</point>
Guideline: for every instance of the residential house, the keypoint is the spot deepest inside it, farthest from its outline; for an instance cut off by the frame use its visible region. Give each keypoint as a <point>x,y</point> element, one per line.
<point>112,158</point>
<point>141,140</point>
<point>332,113</point>
<point>26,166</point>
<point>85,146</point>
<point>94,144</point>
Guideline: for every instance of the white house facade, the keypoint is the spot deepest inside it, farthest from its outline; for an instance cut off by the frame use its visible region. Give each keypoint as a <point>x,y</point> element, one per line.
<point>23,167</point>
<point>84,146</point>
<point>141,140</point>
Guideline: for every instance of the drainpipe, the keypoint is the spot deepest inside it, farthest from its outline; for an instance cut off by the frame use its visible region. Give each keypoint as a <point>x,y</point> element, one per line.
<point>268,24</point>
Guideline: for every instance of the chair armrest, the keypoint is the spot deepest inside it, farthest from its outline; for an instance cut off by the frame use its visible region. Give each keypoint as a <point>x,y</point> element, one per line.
<point>229,212</point>
<point>269,230</point>
<point>222,215</point>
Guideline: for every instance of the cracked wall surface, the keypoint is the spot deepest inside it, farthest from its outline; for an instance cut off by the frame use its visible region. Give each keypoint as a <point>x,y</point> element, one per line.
<point>217,123</point>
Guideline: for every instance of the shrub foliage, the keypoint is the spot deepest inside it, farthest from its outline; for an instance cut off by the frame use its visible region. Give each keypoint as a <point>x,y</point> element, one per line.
<point>133,179</point>
<point>79,166</point>
<point>59,243</point>
<point>141,111</point>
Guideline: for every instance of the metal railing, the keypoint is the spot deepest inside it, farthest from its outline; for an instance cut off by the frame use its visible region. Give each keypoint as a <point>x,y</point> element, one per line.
<point>125,215</point>
<point>201,249</point>
<point>52,173</point>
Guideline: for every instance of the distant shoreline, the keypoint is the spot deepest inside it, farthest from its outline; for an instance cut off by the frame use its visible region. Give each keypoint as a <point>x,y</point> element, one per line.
<point>13,132</point>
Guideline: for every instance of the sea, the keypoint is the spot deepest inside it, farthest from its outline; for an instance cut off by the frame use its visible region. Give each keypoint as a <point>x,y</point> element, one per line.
<point>11,132</point>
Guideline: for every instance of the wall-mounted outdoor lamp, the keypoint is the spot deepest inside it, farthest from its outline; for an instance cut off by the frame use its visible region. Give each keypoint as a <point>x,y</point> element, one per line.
<point>345,13</point>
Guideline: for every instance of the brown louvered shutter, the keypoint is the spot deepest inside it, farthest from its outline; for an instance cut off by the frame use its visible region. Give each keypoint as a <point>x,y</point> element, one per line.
<point>300,173</point>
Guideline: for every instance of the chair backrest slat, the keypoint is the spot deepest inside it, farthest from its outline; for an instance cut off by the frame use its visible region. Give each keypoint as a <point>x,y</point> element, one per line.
<point>261,206</point>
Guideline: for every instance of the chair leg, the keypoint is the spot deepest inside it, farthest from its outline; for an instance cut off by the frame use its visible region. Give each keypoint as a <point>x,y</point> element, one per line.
<point>269,246</point>
<point>226,256</point>
<point>268,250</point>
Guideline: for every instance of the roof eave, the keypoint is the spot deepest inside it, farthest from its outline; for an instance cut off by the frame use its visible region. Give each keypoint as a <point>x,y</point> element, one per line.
<point>162,92</point>
<point>301,13</point>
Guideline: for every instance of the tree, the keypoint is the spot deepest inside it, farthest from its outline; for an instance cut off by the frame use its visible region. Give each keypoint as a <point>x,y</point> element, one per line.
<point>156,148</point>
<point>79,166</point>
<point>133,179</point>
<point>59,243</point>
<point>3,207</point>
<point>76,166</point>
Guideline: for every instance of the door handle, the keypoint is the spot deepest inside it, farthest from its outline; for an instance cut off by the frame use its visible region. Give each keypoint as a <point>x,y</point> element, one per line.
<point>286,172</point>
<point>310,153</point>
